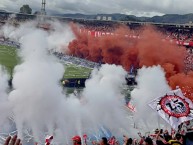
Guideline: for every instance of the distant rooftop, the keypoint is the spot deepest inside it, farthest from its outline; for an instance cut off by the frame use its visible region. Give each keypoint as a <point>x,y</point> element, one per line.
<point>2,10</point>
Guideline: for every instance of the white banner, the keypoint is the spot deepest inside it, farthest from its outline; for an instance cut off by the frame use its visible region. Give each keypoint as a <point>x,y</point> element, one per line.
<point>173,107</point>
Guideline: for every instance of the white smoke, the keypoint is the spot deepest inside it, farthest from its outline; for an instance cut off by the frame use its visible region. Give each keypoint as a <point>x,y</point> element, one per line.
<point>37,93</point>
<point>104,98</point>
<point>37,99</point>
<point>151,84</point>
<point>5,108</point>
<point>101,104</point>
<point>15,33</point>
<point>59,39</point>
<point>7,30</point>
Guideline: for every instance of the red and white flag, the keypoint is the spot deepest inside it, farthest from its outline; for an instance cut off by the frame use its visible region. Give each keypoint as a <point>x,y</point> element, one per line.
<point>173,107</point>
<point>48,140</point>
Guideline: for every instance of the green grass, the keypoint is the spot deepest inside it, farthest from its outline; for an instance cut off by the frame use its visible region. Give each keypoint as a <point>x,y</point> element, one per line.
<point>9,58</point>
<point>73,71</point>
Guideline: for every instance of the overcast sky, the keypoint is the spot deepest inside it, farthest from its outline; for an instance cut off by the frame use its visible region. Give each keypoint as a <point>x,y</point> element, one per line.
<point>135,7</point>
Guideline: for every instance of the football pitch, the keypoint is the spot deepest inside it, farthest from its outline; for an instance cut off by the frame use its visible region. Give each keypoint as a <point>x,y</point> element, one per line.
<point>9,58</point>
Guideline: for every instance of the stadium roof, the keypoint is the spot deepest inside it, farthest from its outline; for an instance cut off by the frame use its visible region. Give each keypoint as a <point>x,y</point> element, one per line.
<point>134,7</point>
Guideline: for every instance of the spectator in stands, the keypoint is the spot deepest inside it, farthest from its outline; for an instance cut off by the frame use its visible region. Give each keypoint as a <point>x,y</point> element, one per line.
<point>76,140</point>
<point>167,136</point>
<point>104,141</point>
<point>189,125</point>
<point>148,141</point>
<point>177,141</point>
<point>129,141</point>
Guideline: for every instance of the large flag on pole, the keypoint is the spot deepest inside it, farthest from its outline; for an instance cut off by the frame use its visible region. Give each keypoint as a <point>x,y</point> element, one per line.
<point>173,107</point>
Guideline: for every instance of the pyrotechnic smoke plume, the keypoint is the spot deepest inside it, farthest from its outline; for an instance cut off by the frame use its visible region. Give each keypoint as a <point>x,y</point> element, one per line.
<point>37,99</point>
<point>5,107</point>
<point>151,84</point>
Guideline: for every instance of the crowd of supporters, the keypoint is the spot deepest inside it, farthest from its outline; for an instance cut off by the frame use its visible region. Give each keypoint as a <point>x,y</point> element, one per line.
<point>173,33</point>
<point>184,136</point>
<point>188,61</point>
<point>10,43</point>
<point>76,60</point>
<point>107,26</point>
<point>99,26</point>
<point>180,34</point>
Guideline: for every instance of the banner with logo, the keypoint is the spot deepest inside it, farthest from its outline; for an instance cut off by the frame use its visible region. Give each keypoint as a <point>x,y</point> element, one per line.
<point>173,107</point>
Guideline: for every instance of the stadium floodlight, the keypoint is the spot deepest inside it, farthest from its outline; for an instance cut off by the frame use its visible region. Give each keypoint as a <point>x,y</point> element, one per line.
<point>43,9</point>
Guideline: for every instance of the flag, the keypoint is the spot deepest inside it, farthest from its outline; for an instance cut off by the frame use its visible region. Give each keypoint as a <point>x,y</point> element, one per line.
<point>131,107</point>
<point>112,141</point>
<point>48,140</point>
<point>173,107</point>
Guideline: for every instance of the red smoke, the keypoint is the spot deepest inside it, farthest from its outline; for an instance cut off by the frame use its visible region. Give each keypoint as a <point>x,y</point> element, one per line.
<point>150,49</point>
<point>110,49</point>
<point>185,82</point>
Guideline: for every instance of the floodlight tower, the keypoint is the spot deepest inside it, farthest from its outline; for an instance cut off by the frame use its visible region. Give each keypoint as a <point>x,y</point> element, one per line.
<point>43,9</point>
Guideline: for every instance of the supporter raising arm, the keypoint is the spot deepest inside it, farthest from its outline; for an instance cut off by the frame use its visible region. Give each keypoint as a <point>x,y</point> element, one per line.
<point>12,141</point>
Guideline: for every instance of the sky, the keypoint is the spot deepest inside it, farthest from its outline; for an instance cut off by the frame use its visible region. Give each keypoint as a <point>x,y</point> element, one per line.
<point>134,7</point>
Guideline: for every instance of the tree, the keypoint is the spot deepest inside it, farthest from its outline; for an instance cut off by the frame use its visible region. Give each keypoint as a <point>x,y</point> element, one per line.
<point>25,9</point>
